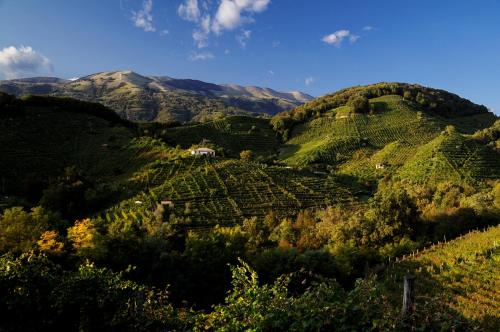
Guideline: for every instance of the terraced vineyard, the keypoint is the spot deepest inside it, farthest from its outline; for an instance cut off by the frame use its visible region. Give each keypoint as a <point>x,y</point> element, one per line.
<point>463,274</point>
<point>234,134</point>
<point>334,138</point>
<point>452,156</point>
<point>470,158</point>
<point>211,191</point>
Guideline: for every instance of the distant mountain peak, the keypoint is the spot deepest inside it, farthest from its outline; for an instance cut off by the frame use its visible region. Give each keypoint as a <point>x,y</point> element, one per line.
<point>161,98</point>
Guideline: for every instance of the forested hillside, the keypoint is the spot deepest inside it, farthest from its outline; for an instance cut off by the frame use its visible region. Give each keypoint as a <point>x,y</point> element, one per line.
<point>306,222</point>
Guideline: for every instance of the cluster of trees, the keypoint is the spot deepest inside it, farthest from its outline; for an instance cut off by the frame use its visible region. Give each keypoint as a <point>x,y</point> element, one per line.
<point>490,136</point>
<point>359,104</point>
<point>433,100</point>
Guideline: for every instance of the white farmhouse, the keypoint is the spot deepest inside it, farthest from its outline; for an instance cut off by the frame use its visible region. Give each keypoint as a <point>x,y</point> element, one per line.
<point>203,152</point>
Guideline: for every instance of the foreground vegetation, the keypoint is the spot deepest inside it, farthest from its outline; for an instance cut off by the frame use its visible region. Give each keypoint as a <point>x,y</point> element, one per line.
<point>111,225</point>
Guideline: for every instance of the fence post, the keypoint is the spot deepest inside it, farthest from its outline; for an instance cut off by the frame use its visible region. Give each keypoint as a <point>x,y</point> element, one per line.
<point>408,296</point>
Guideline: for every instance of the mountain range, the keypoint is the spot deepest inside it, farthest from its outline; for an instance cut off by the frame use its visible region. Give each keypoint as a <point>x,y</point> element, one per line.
<point>160,98</point>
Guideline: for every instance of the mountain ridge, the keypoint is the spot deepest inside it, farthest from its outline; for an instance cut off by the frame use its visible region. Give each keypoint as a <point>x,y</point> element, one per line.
<point>138,97</point>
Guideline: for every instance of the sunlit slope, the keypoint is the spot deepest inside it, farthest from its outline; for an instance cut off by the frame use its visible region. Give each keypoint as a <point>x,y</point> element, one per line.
<point>451,157</point>
<point>387,136</point>
<point>335,136</point>
<point>463,274</point>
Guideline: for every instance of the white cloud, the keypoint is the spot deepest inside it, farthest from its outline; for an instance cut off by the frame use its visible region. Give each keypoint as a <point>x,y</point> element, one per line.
<point>353,38</point>
<point>200,38</point>
<point>201,56</point>
<point>143,18</point>
<point>338,37</point>
<point>227,51</point>
<point>73,79</point>
<point>205,23</point>
<point>271,72</point>
<point>309,80</point>
<point>22,62</point>
<point>201,34</point>
<point>189,10</point>
<point>227,15</point>
<point>231,13</point>
<point>276,43</point>
<point>243,37</point>
<point>163,33</point>
<point>370,28</point>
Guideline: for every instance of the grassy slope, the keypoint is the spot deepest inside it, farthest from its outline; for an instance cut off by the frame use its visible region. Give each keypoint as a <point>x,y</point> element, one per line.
<point>462,273</point>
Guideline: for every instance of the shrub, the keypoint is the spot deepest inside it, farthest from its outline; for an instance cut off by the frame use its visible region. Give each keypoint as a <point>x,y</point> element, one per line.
<point>359,104</point>
<point>20,230</point>
<point>246,155</point>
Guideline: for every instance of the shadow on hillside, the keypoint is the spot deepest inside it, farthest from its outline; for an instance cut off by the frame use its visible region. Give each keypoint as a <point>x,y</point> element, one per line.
<point>38,147</point>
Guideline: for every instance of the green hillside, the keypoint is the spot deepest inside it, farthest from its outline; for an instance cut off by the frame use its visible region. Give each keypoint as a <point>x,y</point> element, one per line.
<point>103,217</point>
<point>435,101</point>
<point>41,137</point>
<point>46,135</point>
<point>374,144</point>
<point>451,157</point>
<point>461,275</point>
<point>335,136</point>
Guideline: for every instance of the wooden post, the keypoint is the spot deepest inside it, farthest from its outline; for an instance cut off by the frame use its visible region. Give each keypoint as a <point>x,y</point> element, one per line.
<point>408,296</point>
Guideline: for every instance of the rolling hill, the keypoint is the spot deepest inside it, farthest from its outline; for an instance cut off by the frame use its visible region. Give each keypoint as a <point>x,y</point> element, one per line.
<point>394,130</point>
<point>160,98</point>
<point>323,161</point>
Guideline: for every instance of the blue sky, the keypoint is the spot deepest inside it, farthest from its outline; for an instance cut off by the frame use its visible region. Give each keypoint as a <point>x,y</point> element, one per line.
<point>316,46</point>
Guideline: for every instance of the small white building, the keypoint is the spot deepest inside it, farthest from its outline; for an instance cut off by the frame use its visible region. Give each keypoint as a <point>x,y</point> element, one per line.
<point>167,202</point>
<point>203,152</point>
